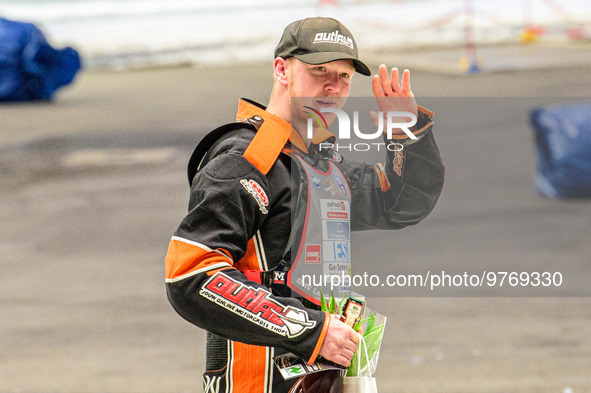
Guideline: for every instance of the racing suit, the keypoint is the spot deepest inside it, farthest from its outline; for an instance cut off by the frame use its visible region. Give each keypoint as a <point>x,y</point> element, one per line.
<point>239,219</point>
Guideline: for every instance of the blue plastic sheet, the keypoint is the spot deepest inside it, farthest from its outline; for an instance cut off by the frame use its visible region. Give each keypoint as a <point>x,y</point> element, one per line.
<point>30,68</point>
<point>563,144</point>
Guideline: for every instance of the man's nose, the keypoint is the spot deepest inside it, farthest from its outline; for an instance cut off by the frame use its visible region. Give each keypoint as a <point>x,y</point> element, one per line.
<point>332,83</point>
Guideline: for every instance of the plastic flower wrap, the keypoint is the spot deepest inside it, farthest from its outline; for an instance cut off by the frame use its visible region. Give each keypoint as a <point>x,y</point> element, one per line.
<point>373,332</point>
<point>371,326</point>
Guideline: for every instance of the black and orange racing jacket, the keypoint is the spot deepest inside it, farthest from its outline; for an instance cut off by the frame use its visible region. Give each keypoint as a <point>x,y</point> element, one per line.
<point>240,219</point>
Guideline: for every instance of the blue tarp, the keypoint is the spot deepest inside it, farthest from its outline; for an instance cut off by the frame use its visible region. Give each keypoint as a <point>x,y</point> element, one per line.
<point>563,144</point>
<point>30,69</point>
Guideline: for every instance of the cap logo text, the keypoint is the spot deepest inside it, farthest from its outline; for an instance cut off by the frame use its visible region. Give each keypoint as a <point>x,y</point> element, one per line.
<point>334,37</point>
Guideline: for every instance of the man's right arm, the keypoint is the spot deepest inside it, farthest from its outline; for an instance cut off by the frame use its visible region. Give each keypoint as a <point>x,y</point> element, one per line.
<point>202,283</point>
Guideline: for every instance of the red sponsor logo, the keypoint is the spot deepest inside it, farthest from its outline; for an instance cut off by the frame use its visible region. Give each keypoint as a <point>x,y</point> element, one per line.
<point>254,300</point>
<point>337,215</point>
<point>312,253</point>
<point>256,305</point>
<point>260,192</point>
<point>337,209</point>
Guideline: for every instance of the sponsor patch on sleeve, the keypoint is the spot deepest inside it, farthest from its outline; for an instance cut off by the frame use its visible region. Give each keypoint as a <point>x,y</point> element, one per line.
<point>257,193</point>
<point>256,306</point>
<point>398,162</point>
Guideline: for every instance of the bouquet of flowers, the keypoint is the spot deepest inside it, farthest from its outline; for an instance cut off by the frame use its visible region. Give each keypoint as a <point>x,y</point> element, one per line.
<point>370,325</point>
<point>327,377</point>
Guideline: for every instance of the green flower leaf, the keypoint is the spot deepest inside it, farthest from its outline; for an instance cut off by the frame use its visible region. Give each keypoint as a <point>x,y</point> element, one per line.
<point>342,305</point>
<point>323,306</point>
<point>371,322</point>
<point>332,304</point>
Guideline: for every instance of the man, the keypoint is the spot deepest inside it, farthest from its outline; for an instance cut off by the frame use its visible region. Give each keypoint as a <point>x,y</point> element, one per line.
<point>228,261</point>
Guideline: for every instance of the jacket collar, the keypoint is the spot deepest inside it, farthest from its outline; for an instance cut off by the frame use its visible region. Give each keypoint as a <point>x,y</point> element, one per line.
<point>252,112</point>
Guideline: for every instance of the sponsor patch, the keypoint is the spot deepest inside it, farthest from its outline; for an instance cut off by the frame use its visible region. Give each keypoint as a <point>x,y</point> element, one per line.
<point>330,188</point>
<point>334,209</point>
<point>257,193</point>
<point>343,271</point>
<point>337,268</point>
<point>336,156</point>
<point>336,230</point>
<point>341,184</point>
<point>398,162</point>
<point>336,251</point>
<point>256,306</point>
<point>279,277</point>
<point>316,181</point>
<point>312,253</point>
<point>293,371</point>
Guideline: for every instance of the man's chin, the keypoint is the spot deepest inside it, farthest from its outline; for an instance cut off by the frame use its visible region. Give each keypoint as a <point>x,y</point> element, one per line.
<point>330,118</point>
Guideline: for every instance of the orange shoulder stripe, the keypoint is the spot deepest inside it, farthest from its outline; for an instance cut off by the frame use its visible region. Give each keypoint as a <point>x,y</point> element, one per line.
<point>186,258</point>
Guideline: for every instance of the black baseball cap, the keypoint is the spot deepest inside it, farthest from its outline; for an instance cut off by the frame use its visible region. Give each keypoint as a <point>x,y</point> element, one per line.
<point>318,41</point>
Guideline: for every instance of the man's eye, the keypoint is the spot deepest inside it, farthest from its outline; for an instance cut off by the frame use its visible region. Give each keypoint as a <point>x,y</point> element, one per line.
<point>320,68</point>
<point>345,75</point>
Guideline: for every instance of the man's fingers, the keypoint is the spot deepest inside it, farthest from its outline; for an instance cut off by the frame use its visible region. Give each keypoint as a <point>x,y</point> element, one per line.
<point>384,85</point>
<point>340,343</point>
<point>347,353</point>
<point>385,80</point>
<point>376,87</point>
<point>406,82</point>
<point>394,80</point>
<point>351,347</point>
<point>343,361</point>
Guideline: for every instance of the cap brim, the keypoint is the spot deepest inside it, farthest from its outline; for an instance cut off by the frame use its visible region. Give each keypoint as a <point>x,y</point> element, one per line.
<point>326,57</point>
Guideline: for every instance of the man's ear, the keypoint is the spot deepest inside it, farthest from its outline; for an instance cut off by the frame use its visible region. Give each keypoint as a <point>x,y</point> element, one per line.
<point>280,68</point>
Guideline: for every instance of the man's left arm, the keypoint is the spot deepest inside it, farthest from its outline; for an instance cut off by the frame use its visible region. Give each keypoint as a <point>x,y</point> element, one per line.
<point>403,190</point>
<point>411,179</point>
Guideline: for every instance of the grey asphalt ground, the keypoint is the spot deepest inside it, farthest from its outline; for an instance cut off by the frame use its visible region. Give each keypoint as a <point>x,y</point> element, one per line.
<point>93,185</point>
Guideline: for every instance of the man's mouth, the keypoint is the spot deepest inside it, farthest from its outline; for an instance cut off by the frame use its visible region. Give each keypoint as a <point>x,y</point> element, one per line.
<point>325,103</point>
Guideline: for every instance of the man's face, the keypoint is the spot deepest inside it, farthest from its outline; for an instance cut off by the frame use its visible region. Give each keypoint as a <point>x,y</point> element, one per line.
<point>323,86</point>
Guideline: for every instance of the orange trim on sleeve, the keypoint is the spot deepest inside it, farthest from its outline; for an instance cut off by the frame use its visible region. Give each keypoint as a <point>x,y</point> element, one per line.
<point>250,260</point>
<point>425,111</point>
<point>249,368</point>
<point>429,124</point>
<point>212,272</point>
<point>321,338</point>
<point>384,183</point>
<point>184,258</point>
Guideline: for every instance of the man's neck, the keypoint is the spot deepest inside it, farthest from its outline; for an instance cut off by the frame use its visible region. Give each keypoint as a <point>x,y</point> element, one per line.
<point>279,110</point>
<point>282,109</point>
